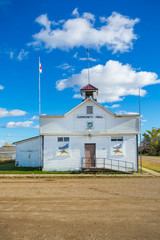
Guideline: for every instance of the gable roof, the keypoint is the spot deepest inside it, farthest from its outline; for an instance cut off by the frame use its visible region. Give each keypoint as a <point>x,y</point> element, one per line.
<point>95,102</point>
<point>89,100</point>
<point>89,87</point>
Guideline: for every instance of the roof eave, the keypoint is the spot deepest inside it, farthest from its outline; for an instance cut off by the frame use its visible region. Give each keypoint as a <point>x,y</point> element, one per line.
<point>51,116</point>
<point>133,115</point>
<point>25,140</point>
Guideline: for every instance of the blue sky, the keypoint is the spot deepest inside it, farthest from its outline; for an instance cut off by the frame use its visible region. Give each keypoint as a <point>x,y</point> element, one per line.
<point>123,38</point>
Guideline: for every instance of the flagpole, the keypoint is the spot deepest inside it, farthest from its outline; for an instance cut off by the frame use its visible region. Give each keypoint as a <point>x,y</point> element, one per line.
<point>39,91</point>
<point>39,116</point>
<point>88,66</point>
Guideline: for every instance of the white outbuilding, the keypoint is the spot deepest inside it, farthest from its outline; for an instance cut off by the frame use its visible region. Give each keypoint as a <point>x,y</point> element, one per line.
<point>87,137</point>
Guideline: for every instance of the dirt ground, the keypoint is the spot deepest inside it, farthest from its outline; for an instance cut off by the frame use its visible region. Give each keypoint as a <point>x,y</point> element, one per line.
<point>80,209</point>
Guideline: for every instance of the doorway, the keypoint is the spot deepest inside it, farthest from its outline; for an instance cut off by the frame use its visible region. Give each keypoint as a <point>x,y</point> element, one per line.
<point>90,155</point>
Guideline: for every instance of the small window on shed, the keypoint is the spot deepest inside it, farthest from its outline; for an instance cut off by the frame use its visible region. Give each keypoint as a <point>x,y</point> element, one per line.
<point>66,139</point>
<point>60,139</point>
<point>89,109</point>
<point>120,139</point>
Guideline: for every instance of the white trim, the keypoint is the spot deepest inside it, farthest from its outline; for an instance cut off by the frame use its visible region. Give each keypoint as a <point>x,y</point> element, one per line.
<point>92,134</point>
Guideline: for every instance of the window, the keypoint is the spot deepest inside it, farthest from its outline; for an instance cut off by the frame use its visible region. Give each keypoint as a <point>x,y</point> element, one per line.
<point>66,139</point>
<point>90,124</point>
<point>89,109</point>
<point>60,139</point>
<point>117,139</point>
<point>63,139</point>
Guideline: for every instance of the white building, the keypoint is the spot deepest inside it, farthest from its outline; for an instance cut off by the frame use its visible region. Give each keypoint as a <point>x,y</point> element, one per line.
<point>87,137</point>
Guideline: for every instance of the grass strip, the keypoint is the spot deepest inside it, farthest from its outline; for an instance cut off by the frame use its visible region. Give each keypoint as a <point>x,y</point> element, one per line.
<point>8,167</point>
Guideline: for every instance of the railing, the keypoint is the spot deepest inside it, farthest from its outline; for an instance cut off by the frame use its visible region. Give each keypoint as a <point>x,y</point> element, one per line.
<point>106,163</point>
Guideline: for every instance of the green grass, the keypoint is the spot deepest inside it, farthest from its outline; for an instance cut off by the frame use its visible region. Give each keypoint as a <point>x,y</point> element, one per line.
<point>156,169</point>
<point>8,167</point>
<point>148,155</point>
<point>150,165</point>
<point>141,171</point>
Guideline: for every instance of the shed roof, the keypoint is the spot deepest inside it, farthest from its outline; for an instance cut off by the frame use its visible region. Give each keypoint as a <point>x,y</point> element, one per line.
<point>26,140</point>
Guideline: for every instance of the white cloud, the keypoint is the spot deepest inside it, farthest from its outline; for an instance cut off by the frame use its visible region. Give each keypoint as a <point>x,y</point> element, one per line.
<point>61,21</point>
<point>11,54</point>
<point>66,66</point>
<point>75,55</point>
<point>103,19</point>
<point>43,20</point>
<point>37,126</point>
<point>22,55</point>
<point>90,59</point>
<point>9,135</point>
<point>16,112</point>
<point>116,33</point>
<point>19,124</point>
<point>143,120</point>
<point>35,118</point>
<point>77,96</point>
<point>113,106</point>
<point>126,113</point>
<point>88,16</point>
<point>114,80</point>
<point>75,12</point>
<point>1,87</point>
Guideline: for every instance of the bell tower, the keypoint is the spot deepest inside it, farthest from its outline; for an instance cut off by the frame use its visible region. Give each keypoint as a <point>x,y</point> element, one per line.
<point>89,91</point>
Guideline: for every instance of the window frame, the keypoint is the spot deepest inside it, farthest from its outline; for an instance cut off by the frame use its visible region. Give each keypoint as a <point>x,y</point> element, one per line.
<point>63,139</point>
<point>59,139</point>
<point>87,110</point>
<point>117,139</point>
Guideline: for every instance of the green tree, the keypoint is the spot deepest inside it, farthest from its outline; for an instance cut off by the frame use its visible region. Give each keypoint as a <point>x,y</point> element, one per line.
<point>151,141</point>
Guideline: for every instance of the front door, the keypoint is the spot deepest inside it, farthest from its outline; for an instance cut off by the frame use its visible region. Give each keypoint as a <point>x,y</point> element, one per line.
<point>90,155</point>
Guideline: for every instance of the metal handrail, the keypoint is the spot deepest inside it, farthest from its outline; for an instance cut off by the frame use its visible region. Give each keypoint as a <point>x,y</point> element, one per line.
<point>105,165</point>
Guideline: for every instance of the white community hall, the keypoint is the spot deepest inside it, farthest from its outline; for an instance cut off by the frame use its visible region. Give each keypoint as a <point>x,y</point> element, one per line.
<point>88,137</point>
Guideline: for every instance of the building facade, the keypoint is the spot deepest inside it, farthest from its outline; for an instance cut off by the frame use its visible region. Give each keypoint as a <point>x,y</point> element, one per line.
<point>7,152</point>
<point>87,137</point>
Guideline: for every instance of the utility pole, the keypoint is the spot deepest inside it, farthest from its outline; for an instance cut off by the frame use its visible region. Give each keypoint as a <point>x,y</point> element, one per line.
<point>140,128</point>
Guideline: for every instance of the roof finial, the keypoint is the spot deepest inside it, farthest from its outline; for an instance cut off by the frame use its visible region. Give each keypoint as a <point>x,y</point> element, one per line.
<point>88,66</point>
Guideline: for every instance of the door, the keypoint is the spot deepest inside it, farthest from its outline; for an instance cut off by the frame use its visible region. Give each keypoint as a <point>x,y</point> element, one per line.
<point>90,155</point>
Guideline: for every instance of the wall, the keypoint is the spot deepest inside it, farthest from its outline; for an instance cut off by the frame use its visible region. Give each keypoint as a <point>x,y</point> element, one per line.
<point>52,162</point>
<point>103,122</point>
<point>7,153</point>
<point>28,153</point>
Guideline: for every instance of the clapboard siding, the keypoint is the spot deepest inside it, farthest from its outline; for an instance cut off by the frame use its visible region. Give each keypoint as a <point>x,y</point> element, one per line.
<point>103,122</point>
<point>77,151</point>
<point>28,153</point>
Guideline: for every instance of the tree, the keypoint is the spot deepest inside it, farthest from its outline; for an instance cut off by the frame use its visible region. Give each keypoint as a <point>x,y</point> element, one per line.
<point>151,141</point>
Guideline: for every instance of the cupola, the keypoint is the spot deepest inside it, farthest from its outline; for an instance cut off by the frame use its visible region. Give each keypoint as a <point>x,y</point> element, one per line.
<point>89,91</point>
